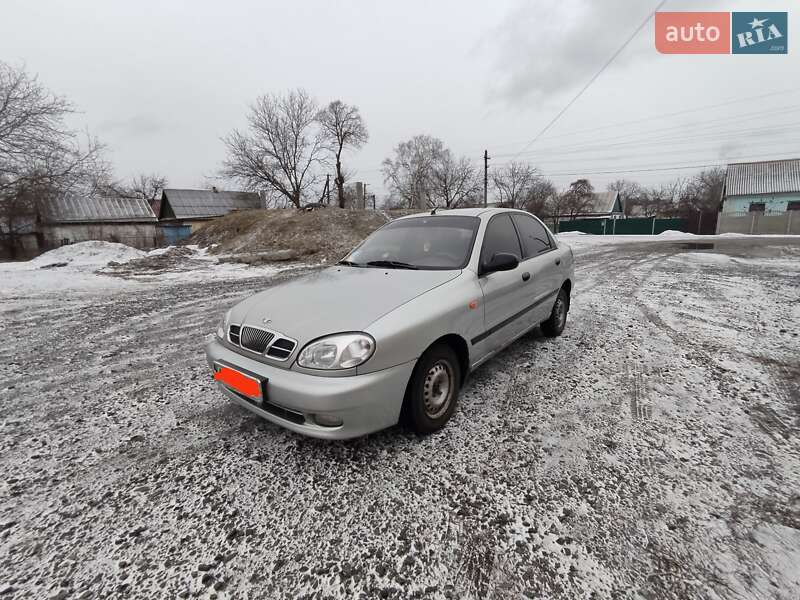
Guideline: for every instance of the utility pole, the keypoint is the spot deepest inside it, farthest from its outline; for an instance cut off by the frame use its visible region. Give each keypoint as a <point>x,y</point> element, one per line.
<point>485,178</point>
<point>328,187</point>
<point>365,196</point>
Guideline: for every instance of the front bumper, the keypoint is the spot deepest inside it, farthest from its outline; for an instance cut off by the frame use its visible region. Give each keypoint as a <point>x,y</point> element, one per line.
<point>364,403</point>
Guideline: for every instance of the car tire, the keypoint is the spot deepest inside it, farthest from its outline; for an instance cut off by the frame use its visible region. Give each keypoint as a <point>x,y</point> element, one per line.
<point>433,389</point>
<point>554,325</point>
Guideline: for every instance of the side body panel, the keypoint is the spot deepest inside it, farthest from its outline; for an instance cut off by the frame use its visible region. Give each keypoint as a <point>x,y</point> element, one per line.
<point>505,294</point>
<point>405,333</point>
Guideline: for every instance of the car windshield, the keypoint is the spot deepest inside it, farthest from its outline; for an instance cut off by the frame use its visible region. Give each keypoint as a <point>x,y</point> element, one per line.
<point>434,242</point>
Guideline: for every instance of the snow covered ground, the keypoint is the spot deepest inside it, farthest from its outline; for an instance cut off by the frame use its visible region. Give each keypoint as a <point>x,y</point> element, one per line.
<point>651,451</point>
<point>96,267</point>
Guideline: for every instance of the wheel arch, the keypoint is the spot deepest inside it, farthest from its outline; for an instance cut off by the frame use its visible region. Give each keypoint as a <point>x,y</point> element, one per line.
<point>567,287</point>
<point>459,345</point>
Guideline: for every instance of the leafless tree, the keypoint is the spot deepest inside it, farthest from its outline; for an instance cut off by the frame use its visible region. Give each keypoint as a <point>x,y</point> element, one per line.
<point>147,186</point>
<point>513,183</point>
<point>408,173</point>
<point>703,192</point>
<point>453,181</point>
<point>343,127</point>
<point>40,157</point>
<point>538,197</point>
<point>555,208</point>
<point>578,197</point>
<point>662,200</point>
<point>283,145</point>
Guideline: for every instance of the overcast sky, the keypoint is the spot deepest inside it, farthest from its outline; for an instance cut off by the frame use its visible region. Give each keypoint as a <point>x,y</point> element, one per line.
<point>160,82</point>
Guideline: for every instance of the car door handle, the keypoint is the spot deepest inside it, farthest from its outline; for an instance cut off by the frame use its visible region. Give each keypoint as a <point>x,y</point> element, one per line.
<point>558,261</point>
<point>526,276</point>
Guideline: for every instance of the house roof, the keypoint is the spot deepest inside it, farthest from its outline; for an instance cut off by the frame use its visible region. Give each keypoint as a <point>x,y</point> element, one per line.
<point>602,202</point>
<point>77,209</point>
<point>766,177</point>
<point>194,204</point>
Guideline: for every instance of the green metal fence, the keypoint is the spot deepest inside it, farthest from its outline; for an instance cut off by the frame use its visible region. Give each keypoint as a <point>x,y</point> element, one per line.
<point>638,226</point>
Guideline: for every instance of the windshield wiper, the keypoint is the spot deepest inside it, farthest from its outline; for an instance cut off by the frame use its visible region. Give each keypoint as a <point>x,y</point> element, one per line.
<point>392,264</point>
<point>349,263</point>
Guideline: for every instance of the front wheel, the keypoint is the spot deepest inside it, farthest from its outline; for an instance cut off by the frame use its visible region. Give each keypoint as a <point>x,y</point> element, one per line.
<point>554,325</point>
<point>434,389</point>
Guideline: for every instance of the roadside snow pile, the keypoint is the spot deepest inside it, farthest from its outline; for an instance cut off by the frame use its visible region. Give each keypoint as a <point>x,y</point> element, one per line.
<point>94,254</point>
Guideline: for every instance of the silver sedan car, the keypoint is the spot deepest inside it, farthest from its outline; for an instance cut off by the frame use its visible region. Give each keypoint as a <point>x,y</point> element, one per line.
<point>391,332</point>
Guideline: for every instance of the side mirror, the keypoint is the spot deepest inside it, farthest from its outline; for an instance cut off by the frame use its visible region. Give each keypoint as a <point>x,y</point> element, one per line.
<point>501,261</point>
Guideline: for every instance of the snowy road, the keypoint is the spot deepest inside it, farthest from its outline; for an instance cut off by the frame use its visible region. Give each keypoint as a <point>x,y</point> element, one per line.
<point>652,451</point>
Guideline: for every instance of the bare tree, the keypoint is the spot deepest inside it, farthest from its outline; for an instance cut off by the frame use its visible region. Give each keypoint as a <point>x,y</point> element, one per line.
<point>578,197</point>
<point>147,186</point>
<point>555,208</point>
<point>453,181</point>
<point>538,197</point>
<point>282,146</point>
<point>343,127</point>
<point>408,173</point>
<point>513,183</point>
<point>703,192</point>
<point>662,200</point>
<point>40,157</point>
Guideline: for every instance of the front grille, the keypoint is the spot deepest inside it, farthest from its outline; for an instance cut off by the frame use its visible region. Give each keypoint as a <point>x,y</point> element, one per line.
<point>233,334</point>
<point>254,339</point>
<point>281,349</point>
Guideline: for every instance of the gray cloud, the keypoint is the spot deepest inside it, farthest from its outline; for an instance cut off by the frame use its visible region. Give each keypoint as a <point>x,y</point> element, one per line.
<point>544,48</point>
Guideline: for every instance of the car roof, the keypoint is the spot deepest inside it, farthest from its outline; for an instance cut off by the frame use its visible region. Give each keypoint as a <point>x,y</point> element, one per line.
<point>483,213</point>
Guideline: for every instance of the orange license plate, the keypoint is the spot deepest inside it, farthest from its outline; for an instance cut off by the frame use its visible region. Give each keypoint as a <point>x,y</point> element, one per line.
<point>244,384</point>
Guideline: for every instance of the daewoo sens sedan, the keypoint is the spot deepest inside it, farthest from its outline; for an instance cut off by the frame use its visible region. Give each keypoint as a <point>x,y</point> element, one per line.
<point>391,331</point>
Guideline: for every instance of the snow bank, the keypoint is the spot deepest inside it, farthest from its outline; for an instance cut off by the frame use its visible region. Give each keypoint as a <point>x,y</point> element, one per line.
<point>86,267</point>
<point>92,254</point>
<point>70,267</point>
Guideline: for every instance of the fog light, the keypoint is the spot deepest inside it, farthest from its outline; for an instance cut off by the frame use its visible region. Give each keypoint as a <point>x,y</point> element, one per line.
<point>327,420</point>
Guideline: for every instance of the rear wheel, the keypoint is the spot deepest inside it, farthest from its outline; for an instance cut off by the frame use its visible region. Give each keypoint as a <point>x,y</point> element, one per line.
<point>434,389</point>
<point>555,324</point>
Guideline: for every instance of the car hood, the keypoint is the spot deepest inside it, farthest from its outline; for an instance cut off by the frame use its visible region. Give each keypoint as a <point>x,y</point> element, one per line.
<point>334,300</point>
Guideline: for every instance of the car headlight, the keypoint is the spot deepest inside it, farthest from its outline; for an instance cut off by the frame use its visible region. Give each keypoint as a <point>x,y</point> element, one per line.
<point>340,351</point>
<point>222,328</point>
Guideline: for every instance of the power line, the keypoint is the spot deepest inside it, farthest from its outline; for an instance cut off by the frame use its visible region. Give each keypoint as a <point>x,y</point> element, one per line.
<point>603,163</point>
<point>672,141</point>
<point>777,93</point>
<point>593,78</point>
<point>644,169</point>
<point>708,123</point>
<point>667,134</point>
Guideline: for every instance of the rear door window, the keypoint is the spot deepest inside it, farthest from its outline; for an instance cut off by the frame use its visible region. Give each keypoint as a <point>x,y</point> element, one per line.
<point>500,237</point>
<point>533,234</point>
